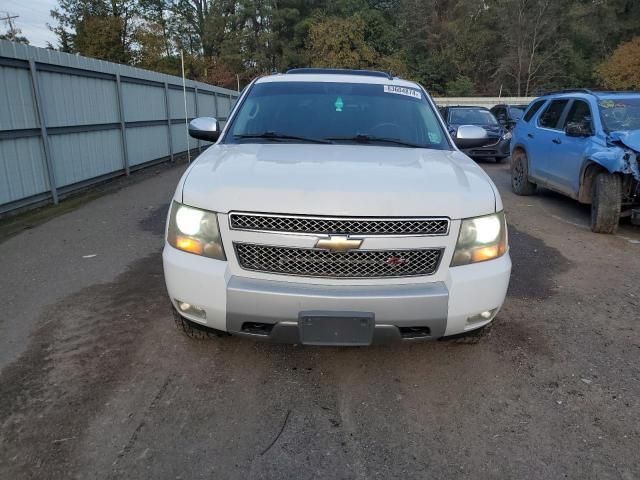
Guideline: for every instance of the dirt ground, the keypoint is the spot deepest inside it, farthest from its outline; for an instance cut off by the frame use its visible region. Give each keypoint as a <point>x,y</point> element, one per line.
<point>95,381</point>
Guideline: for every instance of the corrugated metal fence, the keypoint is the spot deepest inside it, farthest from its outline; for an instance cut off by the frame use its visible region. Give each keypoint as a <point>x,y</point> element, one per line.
<point>68,121</point>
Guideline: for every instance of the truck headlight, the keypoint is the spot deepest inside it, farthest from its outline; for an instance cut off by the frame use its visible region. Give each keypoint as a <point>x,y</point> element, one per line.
<point>480,239</point>
<point>195,231</point>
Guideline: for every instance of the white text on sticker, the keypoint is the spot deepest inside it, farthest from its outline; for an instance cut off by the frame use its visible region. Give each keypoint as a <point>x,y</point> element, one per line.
<point>409,92</point>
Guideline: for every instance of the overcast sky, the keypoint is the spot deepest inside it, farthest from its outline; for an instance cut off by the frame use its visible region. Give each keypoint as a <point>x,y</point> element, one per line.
<point>34,16</point>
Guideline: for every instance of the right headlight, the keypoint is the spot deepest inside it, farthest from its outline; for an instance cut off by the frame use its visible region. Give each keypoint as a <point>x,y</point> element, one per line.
<point>480,239</point>
<point>195,231</point>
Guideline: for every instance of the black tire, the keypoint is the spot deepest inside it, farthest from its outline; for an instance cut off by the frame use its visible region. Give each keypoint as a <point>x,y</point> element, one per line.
<point>606,202</point>
<point>520,183</point>
<point>472,337</point>
<point>500,159</point>
<point>194,330</point>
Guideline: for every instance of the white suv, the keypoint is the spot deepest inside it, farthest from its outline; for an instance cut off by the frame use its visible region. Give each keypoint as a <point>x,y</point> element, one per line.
<point>335,209</point>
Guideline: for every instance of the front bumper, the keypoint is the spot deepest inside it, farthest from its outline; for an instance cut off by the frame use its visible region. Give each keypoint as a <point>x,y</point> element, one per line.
<point>237,303</point>
<point>500,149</point>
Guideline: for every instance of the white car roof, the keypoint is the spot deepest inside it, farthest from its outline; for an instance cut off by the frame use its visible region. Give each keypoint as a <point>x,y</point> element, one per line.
<point>336,78</point>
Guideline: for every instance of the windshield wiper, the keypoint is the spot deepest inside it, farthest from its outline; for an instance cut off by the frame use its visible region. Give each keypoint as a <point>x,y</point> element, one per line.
<point>361,138</point>
<point>279,136</point>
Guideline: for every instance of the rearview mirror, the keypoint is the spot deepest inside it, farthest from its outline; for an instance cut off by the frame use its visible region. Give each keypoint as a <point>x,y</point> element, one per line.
<point>205,128</point>
<point>470,136</point>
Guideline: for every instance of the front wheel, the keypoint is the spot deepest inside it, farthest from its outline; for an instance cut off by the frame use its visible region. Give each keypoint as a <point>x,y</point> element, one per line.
<point>520,183</point>
<point>606,203</point>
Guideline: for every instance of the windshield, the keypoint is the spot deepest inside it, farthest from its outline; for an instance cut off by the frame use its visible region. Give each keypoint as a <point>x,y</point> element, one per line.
<point>517,112</point>
<point>620,113</point>
<point>296,112</point>
<point>471,116</point>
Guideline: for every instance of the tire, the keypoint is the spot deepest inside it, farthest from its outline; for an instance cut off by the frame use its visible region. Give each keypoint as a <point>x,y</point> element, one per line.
<point>194,330</point>
<point>500,159</point>
<point>606,201</point>
<point>472,337</point>
<point>520,183</point>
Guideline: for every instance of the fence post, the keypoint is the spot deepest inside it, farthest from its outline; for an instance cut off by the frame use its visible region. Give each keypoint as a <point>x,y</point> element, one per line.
<point>122,125</point>
<point>195,94</point>
<point>43,131</point>
<point>168,110</point>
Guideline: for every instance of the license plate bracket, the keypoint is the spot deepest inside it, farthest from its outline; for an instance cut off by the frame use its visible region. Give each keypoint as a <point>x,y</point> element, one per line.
<point>336,328</point>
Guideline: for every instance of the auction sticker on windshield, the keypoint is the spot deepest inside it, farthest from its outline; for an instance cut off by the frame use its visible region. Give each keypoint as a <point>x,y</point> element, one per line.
<point>409,92</point>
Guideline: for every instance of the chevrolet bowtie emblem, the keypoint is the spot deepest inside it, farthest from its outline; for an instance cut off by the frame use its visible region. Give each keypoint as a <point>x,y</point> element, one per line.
<point>339,244</point>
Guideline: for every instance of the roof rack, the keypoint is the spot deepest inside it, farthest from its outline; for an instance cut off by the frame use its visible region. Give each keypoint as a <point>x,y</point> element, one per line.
<point>572,90</point>
<point>614,92</point>
<point>339,71</point>
<point>595,93</point>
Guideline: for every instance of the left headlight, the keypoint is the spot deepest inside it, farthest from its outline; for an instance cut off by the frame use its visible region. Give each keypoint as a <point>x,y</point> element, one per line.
<point>480,239</point>
<point>506,136</point>
<point>195,231</point>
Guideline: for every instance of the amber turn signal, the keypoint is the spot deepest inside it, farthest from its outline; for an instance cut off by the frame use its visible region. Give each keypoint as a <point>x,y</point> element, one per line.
<point>189,244</point>
<point>485,253</point>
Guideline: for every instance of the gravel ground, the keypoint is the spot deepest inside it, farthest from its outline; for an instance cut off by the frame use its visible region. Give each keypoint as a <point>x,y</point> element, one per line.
<point>96,383</point>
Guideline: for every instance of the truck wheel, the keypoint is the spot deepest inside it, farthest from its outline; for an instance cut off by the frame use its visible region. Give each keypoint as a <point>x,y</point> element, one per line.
<point>194,330</point>
<point>520,183</point>
<point>606,200</point>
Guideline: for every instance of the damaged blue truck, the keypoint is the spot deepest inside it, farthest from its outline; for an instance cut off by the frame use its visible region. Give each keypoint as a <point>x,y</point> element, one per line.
<point>585,145</point>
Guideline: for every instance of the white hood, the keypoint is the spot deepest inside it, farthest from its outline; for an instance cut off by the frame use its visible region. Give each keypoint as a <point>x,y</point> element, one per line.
<point>345,180</point>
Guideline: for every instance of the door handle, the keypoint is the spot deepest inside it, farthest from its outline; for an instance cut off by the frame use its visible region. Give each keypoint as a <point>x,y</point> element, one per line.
<point>557,140</point>
<point>530,135</point>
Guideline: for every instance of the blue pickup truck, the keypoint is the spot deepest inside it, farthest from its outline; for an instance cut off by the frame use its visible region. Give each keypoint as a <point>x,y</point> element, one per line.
<point>585,145</point>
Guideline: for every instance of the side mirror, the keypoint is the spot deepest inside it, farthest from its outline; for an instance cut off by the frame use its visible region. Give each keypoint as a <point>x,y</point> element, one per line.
<point>470,136</point>
<point>205,128</point>
<point>577,129</point>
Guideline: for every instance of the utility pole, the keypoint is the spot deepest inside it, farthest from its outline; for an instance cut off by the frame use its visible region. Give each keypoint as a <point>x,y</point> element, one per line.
<point>8,18</point>
<point>13,32</point>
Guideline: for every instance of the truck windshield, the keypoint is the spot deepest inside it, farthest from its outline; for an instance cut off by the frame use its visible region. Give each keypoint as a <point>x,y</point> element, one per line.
<point>471,116</point>
<point>620,113</point>
<point>327,112</point>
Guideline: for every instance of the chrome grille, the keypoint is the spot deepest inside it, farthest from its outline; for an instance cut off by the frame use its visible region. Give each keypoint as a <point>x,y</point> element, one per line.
<point>339,225</point>
<point>312,262</point>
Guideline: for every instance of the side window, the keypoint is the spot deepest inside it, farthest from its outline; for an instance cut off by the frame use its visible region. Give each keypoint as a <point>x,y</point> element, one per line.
<point>533,109</point>
<point>552,114</point>
<point>579,113</point>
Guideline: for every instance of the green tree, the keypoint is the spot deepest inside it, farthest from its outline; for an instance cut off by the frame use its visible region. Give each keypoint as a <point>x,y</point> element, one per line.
<point>460,87</point>
<point>97,28</point>
<point>621,71</point>
<point>339,42</point>
<point>519,47</point>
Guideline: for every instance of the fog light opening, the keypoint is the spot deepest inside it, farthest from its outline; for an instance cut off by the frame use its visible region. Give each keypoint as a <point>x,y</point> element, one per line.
<point>189,309</point>
<point>484,316</point>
